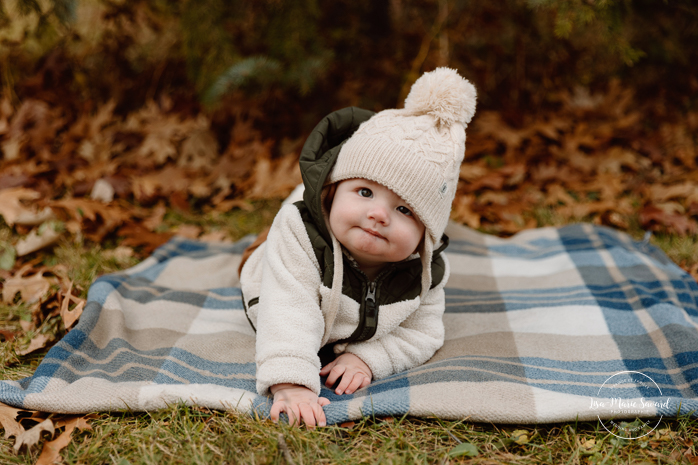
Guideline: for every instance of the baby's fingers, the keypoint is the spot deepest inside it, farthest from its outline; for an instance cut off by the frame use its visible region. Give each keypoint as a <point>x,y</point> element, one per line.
<point>334,375</point>
<point>326,369</point>
<point>275,411</point>
<point>292,412</point>
<point>358,381</point>
<point>347,380</point>
<point>294,415</point>
<point>307,413</point>
<point>320,414</point>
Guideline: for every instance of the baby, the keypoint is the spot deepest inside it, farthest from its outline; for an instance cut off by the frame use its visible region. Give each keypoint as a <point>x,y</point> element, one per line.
<point>349,283</point>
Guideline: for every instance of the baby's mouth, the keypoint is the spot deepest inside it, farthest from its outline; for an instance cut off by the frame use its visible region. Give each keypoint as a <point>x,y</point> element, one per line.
<point>373,233</point>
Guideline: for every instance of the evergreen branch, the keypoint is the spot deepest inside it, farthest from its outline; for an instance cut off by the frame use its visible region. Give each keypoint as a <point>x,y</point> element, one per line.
<point>257,68</point>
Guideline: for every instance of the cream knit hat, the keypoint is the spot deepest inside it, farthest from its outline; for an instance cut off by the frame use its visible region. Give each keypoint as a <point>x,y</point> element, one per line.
<point>417,151</point>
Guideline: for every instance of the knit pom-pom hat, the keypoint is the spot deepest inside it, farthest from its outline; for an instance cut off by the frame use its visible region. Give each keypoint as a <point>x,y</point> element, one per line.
<point>416,151</point>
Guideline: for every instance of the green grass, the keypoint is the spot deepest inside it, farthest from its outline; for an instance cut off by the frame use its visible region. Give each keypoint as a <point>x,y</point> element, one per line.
<point>191,435</point>
<point>186,435</point>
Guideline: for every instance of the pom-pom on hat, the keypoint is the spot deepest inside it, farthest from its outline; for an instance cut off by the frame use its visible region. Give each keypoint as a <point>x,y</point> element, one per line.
<point>416,151</point>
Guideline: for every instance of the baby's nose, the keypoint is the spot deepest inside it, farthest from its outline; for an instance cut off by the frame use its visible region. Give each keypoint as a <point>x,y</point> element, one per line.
<point>379,213</point>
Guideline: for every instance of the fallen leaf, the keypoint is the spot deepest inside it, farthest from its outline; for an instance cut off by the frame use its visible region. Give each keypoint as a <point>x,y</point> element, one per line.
<point>95,219</point>
<point>180,201</point>
<point>661,193</point>
<point>493,181</point>
<point>215,236</point>
<point>136,235</point>
<point>102,191</point>
<point>665,435</point>
<point>37,123</point>
<point>80,209</point>
<point>515,174</point>
<point>51,451</point>
<point>616,159</point>
<point>464,212</point>
<point>227,205</point>
<point>347,424</point>
<point>189,231</point>
<point>31,288</point>
<point>120,253</point>
<point>27,325</point>
<point>8,421</point>
<point>200,188</point>
<point>68,316</point>
<point>650,216</point>
<point>273,178</point>
<point>12,147</point>
<point>464,449</point>
<point>558,194</point>
<point>36,240</point>
<point>580,210</point>
<point>163,182</point>
<point>520,436</point>
<point>199,150</point>
<point>81,422</point>
<point>490,123</point>
<point>589,444</point>
<point>14,212</point>
<point>156,217</point>
<point>495,198</point>
<point>7,334</point>
<point>39,342</point>
<point>32,436</point>
<point>472,171</point>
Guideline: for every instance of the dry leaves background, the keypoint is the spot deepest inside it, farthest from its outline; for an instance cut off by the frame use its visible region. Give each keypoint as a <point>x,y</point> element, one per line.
<point>104,176</point>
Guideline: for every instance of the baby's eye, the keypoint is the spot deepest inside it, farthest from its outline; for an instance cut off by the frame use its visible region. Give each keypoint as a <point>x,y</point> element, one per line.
<point>365,192</point>
<point>404,210</point>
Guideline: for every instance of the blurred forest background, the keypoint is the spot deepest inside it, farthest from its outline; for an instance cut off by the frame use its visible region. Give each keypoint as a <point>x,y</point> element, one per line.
<point>115,113</point>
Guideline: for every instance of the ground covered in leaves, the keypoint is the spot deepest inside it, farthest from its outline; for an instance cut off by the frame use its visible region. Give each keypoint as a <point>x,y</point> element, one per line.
<point>91,192</point>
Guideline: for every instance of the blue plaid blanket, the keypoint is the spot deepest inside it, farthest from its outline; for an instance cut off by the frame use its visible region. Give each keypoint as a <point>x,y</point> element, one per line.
<point>575,323</point>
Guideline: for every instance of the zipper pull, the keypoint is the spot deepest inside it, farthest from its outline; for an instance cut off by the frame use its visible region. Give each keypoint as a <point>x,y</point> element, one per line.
<point>371,298</point>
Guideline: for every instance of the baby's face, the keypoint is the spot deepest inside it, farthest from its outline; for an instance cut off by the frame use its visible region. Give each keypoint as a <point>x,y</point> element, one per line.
<point>374,223</point>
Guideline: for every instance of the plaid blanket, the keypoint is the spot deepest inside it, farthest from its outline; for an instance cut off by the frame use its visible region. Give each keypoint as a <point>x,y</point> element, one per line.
<point>539,327</point>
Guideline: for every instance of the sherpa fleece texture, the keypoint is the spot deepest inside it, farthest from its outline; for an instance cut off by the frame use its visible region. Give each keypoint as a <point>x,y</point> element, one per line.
<point>289,317</point>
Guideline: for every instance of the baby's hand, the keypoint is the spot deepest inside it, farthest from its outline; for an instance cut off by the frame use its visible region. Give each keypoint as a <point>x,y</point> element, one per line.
<point>298,402</point>
<point>354,372</point>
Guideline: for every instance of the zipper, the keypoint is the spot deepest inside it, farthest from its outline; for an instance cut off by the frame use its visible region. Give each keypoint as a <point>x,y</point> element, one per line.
<point>369,317</point>
<point>371,302</point>
<point>368,313</point>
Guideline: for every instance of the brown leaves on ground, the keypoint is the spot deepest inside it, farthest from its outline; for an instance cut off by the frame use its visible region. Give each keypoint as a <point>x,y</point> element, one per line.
<point>29,427</point>
<point>48,294</point>
<point>591,160</point>
<point>86,173</point>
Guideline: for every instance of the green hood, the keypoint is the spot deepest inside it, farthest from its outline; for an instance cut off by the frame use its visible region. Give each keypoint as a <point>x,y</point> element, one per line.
<point>320,153</point>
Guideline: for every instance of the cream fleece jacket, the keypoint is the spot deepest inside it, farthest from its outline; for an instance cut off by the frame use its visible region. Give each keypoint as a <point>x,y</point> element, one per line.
<point>290,315</point>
